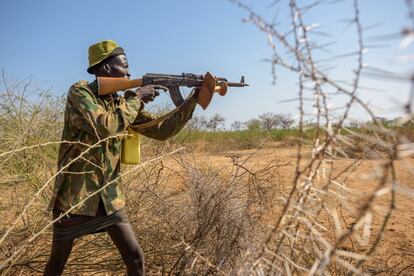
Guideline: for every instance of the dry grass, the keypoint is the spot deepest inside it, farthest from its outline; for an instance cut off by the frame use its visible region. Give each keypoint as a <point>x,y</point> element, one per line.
<point>322,208</point>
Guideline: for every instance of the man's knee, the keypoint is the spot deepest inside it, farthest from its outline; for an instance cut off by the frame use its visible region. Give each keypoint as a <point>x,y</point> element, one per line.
<point>58,257</point>
<point>134,261</point>
<point>135,255</point>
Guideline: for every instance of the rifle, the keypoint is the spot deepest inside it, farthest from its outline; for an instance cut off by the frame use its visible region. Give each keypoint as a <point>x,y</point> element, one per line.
<point>207,83</point>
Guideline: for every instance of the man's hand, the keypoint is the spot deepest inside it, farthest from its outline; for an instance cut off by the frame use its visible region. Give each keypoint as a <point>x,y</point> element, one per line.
<point>146,93</point>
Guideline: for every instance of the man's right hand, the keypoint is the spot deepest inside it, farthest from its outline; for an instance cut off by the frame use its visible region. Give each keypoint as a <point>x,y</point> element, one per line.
<point>149,92</point>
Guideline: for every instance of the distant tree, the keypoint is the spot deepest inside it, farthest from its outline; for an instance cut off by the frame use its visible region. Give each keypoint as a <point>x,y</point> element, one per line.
<point>381,119</point>
<point>269,120</point>
<point>215,122</point>
<point>253,124</point>
<point>355,124</point>
<point>309,123</point>
<point>236,125</point>
<point>285,120</point>
<point>197,123</point>
<point>159,108</point>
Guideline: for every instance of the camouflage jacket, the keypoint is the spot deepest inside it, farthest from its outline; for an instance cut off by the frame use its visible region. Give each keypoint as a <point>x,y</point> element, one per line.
<point>92,120</point>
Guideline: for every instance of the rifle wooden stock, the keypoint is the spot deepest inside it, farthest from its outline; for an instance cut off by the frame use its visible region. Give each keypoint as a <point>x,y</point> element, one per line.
<point>108,85</point>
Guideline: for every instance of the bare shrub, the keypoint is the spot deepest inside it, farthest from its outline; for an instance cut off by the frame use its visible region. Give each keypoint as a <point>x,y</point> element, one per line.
<point>324,226</point>
<point>323,209</point>
<point>208,212</point>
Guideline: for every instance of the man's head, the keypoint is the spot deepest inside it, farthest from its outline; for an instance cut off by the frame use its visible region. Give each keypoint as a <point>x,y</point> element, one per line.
<point>107,59</point>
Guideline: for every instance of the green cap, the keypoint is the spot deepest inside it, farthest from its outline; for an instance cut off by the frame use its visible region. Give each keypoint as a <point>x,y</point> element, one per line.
<point>100,51</point>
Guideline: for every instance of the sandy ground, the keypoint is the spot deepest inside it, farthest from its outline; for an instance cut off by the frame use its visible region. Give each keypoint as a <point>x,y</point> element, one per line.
<point>395,253</point>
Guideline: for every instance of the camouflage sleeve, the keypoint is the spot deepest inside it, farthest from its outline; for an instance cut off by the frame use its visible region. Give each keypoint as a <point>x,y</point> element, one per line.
<point>169,127</point>
<point>87,114</point>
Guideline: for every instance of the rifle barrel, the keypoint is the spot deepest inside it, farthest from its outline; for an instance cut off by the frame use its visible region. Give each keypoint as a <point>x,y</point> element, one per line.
<point>192,79</point>
<point>237,84</point>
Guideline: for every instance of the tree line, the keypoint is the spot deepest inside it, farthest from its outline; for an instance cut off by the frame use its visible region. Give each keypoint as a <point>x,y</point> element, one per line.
<point>266,121</point>
<point>269,121</point>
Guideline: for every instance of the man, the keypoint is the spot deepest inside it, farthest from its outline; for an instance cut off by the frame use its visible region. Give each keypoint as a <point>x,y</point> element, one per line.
<point>91,119</point>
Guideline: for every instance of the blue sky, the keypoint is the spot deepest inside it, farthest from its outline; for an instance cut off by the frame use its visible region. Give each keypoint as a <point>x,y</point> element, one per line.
<point>49,40</point>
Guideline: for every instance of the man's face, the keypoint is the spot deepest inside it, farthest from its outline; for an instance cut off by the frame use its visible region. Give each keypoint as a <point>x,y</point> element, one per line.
<point>118,67</point>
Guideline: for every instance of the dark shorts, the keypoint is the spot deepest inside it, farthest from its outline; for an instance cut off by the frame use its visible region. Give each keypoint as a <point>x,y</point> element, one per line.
<point>74,226</point>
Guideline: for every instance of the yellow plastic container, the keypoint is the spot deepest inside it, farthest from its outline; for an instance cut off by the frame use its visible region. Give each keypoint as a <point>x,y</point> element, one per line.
<point>131,148</point>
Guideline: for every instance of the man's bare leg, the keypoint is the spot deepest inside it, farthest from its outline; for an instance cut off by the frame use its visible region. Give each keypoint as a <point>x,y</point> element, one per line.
<point>58,257</point>
<point>124,238</point>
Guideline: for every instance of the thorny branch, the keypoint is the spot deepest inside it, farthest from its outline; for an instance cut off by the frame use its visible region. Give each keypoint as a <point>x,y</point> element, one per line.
<point>262,215</point>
